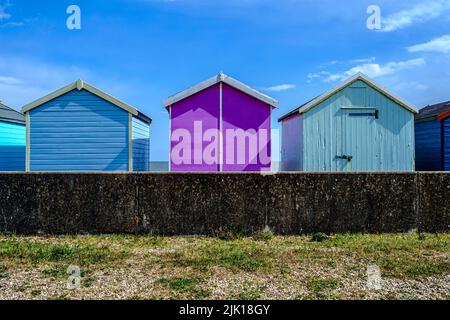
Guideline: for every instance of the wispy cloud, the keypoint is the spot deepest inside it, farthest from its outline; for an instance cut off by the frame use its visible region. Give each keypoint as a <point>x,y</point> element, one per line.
<point>3,14</point>
<point>421,12</point>
<point>441,44</point>
<point>373,70</point>
<point>23,80</point>
<point>281,87</point>
<point>13,24</point>
<point>9,80</point>
<point>364,60</point>
<point>410,85</point>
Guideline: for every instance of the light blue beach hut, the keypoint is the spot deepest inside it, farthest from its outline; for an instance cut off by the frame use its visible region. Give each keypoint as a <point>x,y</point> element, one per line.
<point>358,126</point>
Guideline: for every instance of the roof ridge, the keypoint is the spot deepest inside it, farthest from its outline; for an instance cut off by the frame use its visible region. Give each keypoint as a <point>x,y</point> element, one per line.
<point>344,84</point>
<point>220,77</point>
<point>82,85</point>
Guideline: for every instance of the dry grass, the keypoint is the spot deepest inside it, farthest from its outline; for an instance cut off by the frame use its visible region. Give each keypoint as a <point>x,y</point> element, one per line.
<point>263,267</point>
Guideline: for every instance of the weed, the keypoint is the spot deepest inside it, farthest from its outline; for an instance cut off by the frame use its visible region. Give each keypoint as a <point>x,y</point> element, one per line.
<point>264,236</point>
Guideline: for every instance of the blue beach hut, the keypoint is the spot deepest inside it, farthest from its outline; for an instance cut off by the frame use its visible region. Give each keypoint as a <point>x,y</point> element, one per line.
<point>358,126</point>
<point>433,138</point>
<point>12,140</point>
<point>81,128</point>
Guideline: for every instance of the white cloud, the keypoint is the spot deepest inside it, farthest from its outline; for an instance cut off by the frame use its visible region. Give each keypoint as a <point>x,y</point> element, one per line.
<point>365,60</point>
<point>281,87</point>
<point>441,44</point>
<point>13,24</point>
<point>373,70</point>
<point>410,85</point>
<point>3,14</point>
<point>422,12</point>
<point>22,80</point>
<point>9,80</point>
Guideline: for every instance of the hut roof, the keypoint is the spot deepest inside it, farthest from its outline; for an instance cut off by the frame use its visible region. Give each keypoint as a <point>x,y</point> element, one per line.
<point>433,111</point>
<point>221,77</point>
<point>8,114</point>
<point>359,76</point>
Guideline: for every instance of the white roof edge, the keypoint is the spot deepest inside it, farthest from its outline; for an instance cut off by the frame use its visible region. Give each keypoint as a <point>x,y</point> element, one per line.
<point>80,85</point>
<point>221,77</point>
<point>363,77</point>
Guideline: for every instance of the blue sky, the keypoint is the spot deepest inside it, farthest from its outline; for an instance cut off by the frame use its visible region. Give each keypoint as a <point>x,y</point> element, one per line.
<point>142,51</point>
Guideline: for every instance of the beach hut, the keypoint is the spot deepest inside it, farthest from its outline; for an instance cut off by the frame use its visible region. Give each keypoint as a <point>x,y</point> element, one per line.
<point>12,140</point>
<point>433,138</point>
<point>81,128</point>
<point>220,125</point>
<point>356,127</point>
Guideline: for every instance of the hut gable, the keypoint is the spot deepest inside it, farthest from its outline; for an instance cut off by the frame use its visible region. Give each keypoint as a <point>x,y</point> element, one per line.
<point>358,80</point>
<point>80,128</point>
<point>221,77</point>
<point>220,125</point>
<point>356,127</point>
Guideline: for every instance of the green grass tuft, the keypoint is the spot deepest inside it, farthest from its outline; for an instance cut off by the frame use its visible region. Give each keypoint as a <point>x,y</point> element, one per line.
<point>186,285</point>
<point>264,236</point>
<point>44,252</point>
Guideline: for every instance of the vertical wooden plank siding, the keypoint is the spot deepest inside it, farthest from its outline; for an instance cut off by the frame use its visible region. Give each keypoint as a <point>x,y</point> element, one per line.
<point>446,124</point>
<point>429,146</point>
<point>292,144</point>
<point>141,145</point>
<point>244,112</point>
<point>79,131</point>
<point>201,107</point>
<point>221,133</point>
<point>12,147</point>
<point>331,130</point>
<point>170,138</point>
<point>130,142</point>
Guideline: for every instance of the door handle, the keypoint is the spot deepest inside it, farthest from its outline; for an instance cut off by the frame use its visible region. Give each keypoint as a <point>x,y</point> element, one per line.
<point>348,158</point>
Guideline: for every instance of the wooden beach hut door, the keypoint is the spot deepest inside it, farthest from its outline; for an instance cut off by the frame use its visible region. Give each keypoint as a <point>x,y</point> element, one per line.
<point>359,140</point>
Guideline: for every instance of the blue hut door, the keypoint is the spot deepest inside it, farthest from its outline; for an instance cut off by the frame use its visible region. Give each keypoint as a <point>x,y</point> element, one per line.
<point>359,140</point>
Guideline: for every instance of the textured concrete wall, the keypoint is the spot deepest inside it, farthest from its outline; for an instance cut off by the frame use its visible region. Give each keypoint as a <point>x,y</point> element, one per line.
<point>187,204</point>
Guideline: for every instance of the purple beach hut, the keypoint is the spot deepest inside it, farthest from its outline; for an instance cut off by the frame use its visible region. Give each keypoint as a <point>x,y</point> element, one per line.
<point>220,125</point>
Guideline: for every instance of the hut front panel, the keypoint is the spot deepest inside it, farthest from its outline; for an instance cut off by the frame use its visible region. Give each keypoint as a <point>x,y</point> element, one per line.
<point>446,125</point>
<point>429,146</point>
<point>12,147</point>
<point>79,131</point>
<point>141,145</point>
<point>190,119</point>
<point>292,143</point>
<point>331,130</point>
<point>243,113</point>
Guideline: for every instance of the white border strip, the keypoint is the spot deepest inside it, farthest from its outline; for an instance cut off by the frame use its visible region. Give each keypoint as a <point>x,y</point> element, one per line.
<point>130,143</point>
<point>170,138</point>
<point>27,157</point>
<point>221,127</point>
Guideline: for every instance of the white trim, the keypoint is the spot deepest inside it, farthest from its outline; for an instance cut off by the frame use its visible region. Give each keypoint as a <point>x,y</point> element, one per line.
<point>170,138</point>
<point>362,77</point>
<point>27,156</point>
<point>130,143</point>
<point>221,160</point>
<point>270,139</point>
<point>221,77</point>
<point>80,85</point>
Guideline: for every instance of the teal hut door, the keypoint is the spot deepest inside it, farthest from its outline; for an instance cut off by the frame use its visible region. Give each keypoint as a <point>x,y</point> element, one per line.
<point>359,140</point>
